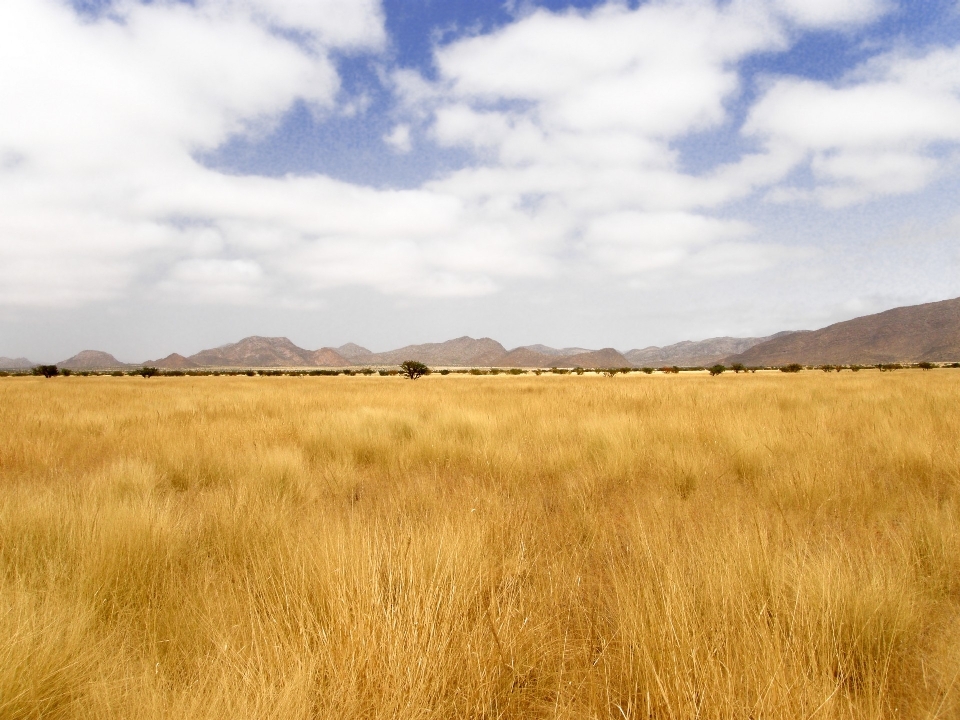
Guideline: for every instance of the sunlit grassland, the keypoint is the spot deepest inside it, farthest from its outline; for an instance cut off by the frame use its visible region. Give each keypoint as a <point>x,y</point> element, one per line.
<point>746,546</point>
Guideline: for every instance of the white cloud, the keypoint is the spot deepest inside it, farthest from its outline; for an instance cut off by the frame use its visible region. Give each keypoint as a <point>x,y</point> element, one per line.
<point>574,118</point>
<point>351,24</point>
<point>399,139</point>
<point>214,280</point>
<point>832,13</point>
<point>873,134</point>
<point>632,242</point>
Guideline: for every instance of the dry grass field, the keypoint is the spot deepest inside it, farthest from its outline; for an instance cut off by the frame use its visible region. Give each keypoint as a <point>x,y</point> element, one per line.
<point>746,546</point>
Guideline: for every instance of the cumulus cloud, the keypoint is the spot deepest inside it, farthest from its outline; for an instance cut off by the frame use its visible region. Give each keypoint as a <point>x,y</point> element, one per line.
<point>832,13</point>
<point>399,139</point>
<point>875,133</point>
<point>574,119</point>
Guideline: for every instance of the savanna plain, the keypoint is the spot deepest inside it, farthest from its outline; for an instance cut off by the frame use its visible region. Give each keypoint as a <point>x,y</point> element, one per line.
<point>746,546</point>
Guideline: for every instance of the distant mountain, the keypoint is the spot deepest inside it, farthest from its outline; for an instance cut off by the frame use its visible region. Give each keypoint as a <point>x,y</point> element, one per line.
<point>554,352</point>
<point>906,334</point>
<point>695,353</point>
<point>527,357</point>
<point>20,363</point>
<point>463,351</point>
<point>328,357</point>
<point>606,358</point>
<point>92,360</point>
<point>174,361</point>
<point>265,352</point>
<point>352,351</point>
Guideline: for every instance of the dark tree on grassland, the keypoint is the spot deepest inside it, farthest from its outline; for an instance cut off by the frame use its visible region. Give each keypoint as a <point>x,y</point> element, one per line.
<point>148,372</point>
<point>717,370</point>
<point>48,371</point>
<point>413,369</point>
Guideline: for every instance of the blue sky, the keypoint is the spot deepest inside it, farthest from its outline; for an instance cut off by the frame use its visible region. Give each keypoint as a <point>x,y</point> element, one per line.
<point>178,175</point>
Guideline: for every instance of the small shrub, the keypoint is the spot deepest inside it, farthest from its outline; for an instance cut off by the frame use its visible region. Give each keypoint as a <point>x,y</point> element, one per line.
<point>495,371</point>
<point>717,370</point>
<point>538,372</point>
<point>477,371</point>
<point>889,367</point>
<point>647,370</point>
<point>827,368</point>
<point>444,372</point>
<point>792,368</point>
<point>174,373</point>
<point>66,372</point>
<point>672,370</point>
<point>4,373</point>
<point>147,372</point>
<point>578,370</point>
<point>517,371</point>
<point>925,365</point>
<point>955,365</point>
<point>738,368</point>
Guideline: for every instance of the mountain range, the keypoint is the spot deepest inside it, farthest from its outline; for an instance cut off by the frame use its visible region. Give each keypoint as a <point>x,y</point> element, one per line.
<point>914,333</point>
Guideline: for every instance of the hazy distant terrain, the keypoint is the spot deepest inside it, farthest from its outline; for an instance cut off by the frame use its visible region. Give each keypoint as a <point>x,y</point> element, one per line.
<point>20,363</point>
<point>687,353</point>
<point>907,334</point>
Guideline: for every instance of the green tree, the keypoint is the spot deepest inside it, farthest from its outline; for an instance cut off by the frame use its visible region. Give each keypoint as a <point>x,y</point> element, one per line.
<point>413,369</point>
<point>48,371</point>
<point>716,370</point>
<point>738,368</point>
<point>148,372</point>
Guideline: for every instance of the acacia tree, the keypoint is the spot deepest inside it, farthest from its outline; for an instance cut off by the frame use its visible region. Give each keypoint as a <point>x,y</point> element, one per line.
<point>48,371</point>
<point>413,369</point>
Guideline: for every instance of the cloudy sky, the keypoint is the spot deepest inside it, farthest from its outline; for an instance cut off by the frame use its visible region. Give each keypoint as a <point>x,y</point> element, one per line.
<point>179,174</point>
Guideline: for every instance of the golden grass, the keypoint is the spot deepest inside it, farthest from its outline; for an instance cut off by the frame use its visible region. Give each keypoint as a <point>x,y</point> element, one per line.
<point>752,546</point>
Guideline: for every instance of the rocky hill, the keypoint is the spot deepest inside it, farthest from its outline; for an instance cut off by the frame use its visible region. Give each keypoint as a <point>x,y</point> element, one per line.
<point>694,353</point>
<point>914,333</point>
<point>463,352</point>
<point>352,351</point>
<point>174,361</point>
<point>20,363</point>
<point>267,352</point>
<point>906,334</point>
<point>92,360</point>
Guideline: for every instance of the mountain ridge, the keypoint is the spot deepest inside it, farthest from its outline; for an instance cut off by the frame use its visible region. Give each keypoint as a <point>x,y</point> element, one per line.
<point>912,333</point>
<point>92,360</point>
<point>20,363</point>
